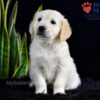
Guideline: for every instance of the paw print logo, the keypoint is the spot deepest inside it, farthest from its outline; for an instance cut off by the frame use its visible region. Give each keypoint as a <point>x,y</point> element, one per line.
<point>87,7</point>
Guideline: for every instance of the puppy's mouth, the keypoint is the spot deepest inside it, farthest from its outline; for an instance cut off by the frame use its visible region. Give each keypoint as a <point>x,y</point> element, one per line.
<point>41,34</point>
<point>44,35</point>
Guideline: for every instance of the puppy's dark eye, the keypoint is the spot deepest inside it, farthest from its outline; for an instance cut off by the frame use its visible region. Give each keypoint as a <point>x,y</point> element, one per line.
<point>39,19</point>
<point>53,22</point>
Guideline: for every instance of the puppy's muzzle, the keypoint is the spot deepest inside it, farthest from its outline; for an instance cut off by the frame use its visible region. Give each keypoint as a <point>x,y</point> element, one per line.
<point>41,30</point>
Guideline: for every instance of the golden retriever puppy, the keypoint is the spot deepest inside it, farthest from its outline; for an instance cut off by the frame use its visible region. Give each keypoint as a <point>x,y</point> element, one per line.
<point>50,60</point>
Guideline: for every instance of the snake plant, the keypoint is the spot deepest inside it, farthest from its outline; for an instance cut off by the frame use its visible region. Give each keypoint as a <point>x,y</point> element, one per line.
<point>14,60</point>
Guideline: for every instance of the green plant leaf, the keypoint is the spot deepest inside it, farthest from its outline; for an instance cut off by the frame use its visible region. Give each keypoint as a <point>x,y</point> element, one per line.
<point>12,19</point>
<point>22,70</point>
<point>2,5</point>
<point>4,54</point>
<point>7,6</point>
<point>17,58</point>
<point>13,50</point>
<point>18,41</point>
<point>4,43</point>
<point>3,15</point>
<point>1,52</point>
<point>0,17</point>
<point>6,12</point>
<point>1,37</point>
<point>40,8</point>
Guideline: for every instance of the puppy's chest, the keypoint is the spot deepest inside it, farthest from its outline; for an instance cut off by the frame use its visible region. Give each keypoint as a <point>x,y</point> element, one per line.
<point>48,61</point>
<point>48,57</point>
<point>48,53</point>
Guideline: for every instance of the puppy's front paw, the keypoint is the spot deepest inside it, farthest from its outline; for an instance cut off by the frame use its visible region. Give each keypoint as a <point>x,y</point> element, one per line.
<point>60,94</point>
<point>59,90</point>
<point>41,90</point>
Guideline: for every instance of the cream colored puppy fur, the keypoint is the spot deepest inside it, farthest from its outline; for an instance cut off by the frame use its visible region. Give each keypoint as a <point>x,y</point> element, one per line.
<point>50,60</point>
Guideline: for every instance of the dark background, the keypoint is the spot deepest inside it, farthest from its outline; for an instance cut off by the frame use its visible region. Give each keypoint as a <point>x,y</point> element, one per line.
<point>85,41</point>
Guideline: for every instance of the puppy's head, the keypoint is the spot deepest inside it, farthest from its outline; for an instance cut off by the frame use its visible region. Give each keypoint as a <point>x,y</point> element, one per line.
<point>50,25</point>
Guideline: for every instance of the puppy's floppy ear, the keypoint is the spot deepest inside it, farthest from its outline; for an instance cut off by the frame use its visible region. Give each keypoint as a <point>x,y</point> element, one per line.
<point>31,28</point>
<point>65,30</point>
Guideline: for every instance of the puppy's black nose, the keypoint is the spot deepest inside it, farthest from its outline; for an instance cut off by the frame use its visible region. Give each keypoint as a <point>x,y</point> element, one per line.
<point>41,29</point>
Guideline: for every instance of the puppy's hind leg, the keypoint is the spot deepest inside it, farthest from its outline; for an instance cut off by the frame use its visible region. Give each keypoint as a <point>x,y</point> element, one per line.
<point>73,81</point>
